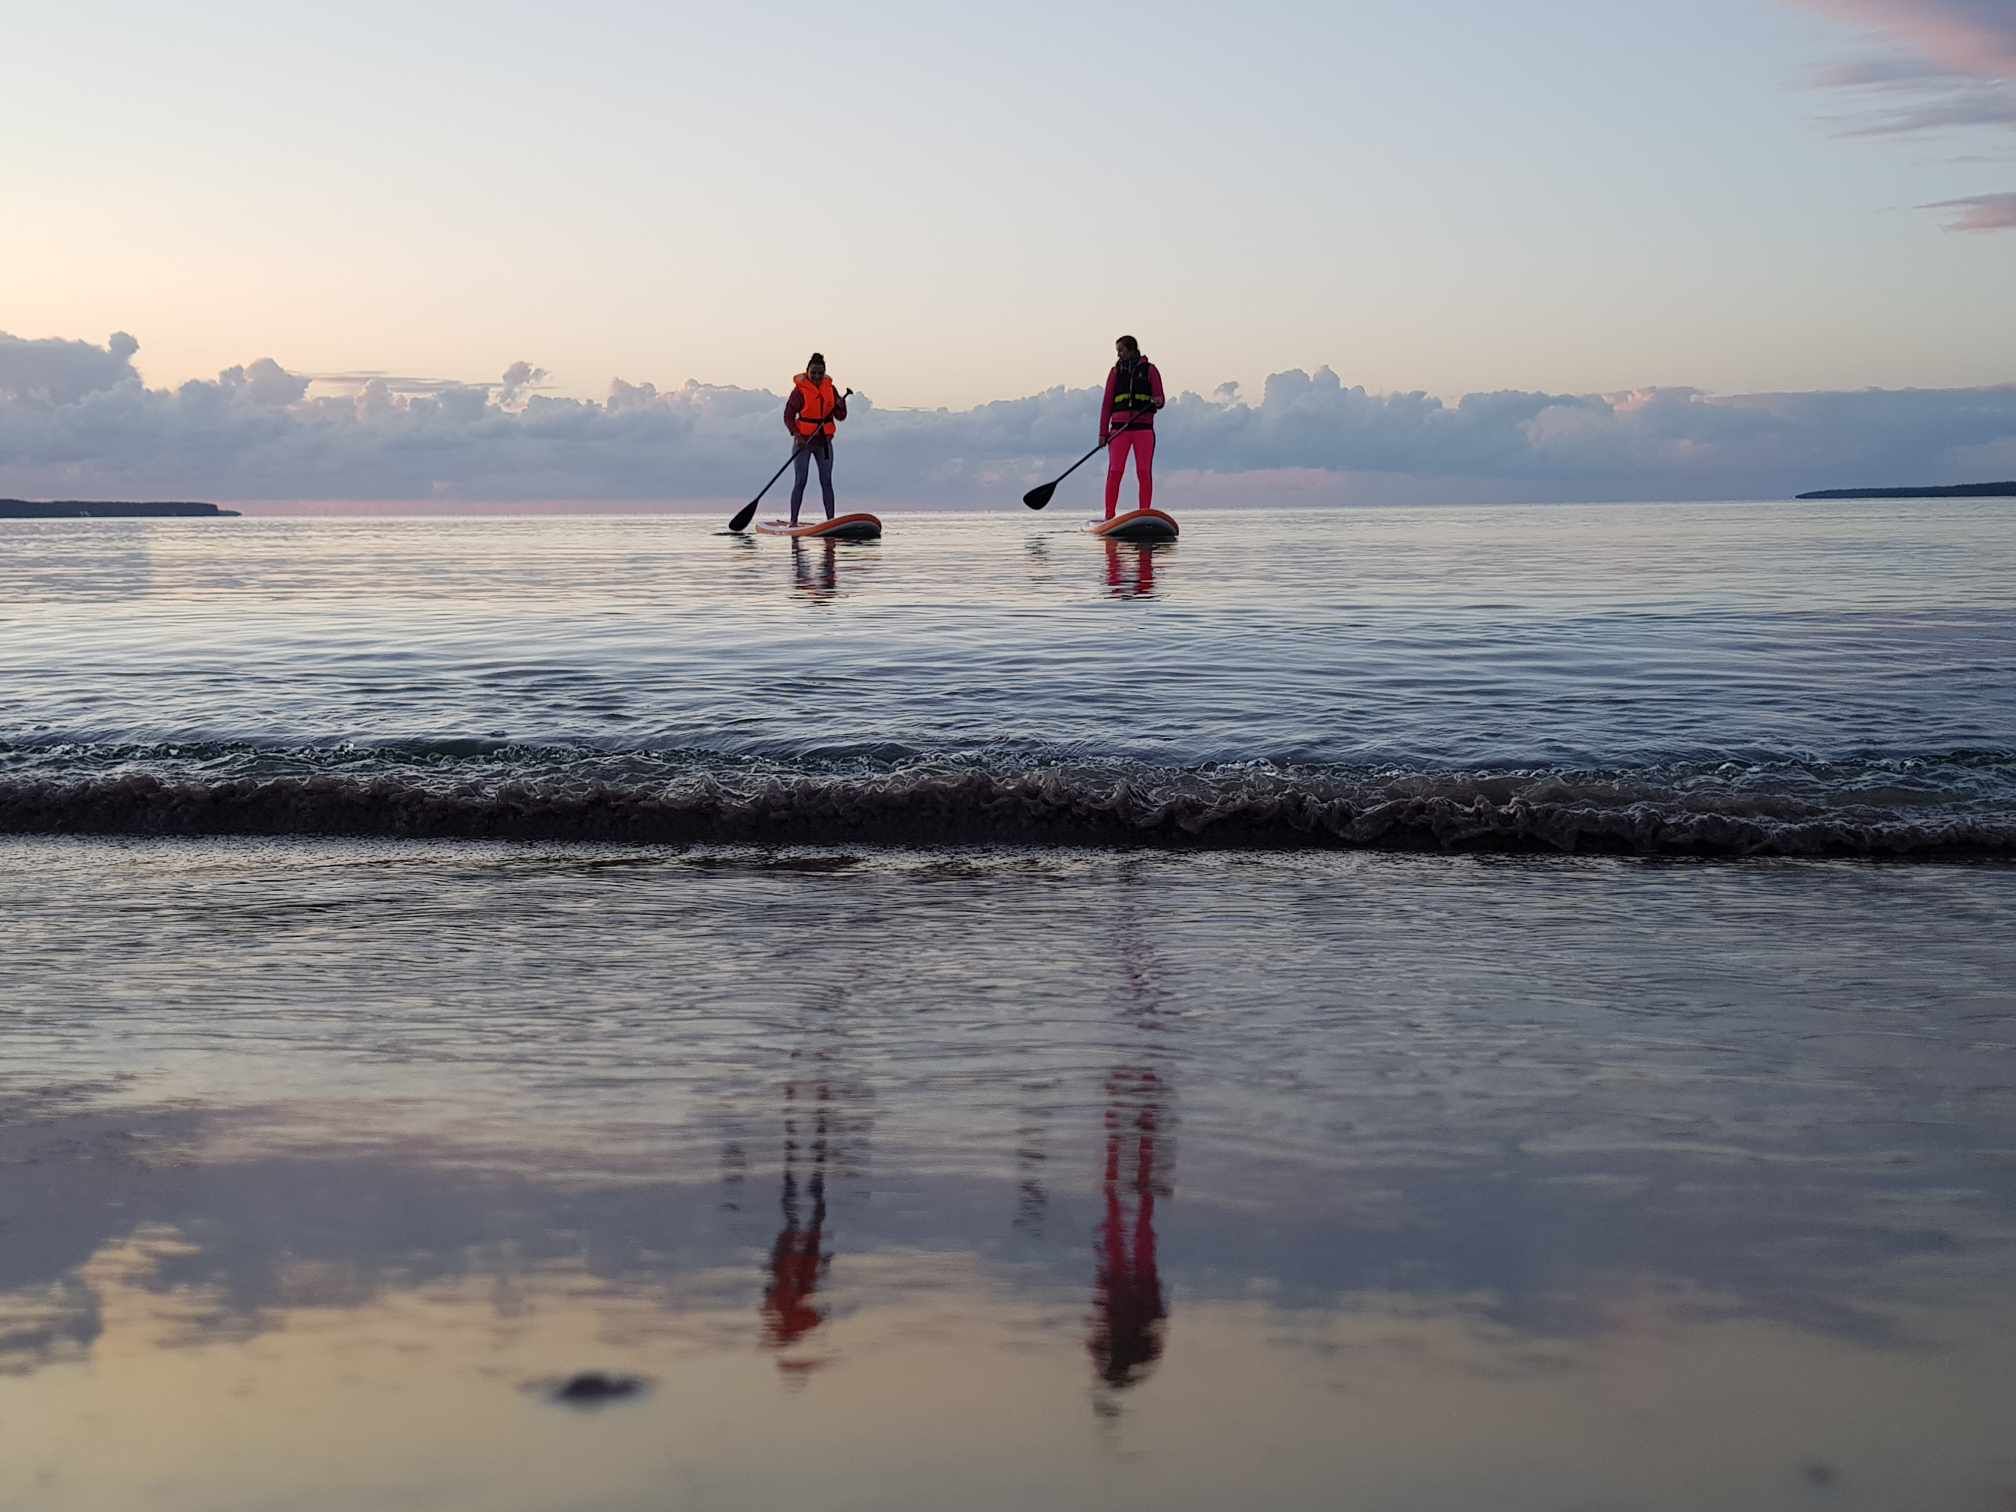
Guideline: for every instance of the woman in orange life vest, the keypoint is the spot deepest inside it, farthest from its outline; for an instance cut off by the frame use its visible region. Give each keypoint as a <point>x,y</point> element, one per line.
<point>811,414</point>
<point>1127,421</point>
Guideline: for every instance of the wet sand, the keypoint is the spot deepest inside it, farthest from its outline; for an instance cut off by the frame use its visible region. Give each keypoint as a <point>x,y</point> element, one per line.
<point>999,1179</point>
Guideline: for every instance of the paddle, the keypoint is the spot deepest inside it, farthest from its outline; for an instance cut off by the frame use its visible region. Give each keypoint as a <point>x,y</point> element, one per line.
<point>747,511</point>
<point>1038,496</point>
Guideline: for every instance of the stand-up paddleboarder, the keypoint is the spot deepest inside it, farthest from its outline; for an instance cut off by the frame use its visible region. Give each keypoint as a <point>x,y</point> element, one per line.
<point>1127,421</point>
<point>811,414</point>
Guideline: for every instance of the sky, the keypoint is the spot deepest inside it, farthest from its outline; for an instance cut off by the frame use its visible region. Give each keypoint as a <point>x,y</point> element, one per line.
<point>1689,215</point>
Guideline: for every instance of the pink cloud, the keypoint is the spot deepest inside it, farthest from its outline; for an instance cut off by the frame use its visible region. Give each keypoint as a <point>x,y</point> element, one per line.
<point>1950,64</point>
<point>1979,212</point>
<point>1974,38</point>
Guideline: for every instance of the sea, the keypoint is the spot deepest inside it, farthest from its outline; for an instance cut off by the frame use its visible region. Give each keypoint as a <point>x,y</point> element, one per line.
<point>1407,1009</point>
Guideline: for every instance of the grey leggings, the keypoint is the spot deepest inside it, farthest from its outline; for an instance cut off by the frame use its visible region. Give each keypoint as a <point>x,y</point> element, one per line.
<point>823,450</point>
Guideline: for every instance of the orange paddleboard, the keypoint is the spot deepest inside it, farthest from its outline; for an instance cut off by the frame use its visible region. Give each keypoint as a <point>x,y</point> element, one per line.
<point>847,527</point>
<point>1136,525</point>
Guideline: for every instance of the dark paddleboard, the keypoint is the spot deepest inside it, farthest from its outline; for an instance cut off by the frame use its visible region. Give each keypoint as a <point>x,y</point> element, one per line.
<point>847,527</point>
<point>1137,525</point>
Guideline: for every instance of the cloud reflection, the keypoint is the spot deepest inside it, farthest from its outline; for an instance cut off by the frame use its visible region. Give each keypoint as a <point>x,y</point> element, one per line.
<point>135,1233</point>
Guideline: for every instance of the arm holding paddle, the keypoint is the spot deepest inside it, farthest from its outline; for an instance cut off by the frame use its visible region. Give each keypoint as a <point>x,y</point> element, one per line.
<point>1038,496</point>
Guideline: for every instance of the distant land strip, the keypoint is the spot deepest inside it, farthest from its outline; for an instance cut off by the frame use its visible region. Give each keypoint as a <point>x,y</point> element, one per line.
<point>1952,491</point>
<point>107,509</point>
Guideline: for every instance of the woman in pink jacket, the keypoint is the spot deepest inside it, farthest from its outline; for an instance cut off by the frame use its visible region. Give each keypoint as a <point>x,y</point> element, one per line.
<point>1127,421</point>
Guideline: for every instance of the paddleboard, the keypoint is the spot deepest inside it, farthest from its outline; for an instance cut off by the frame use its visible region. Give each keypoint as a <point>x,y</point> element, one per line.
<point>1136,525</point>
<point>847,527</point>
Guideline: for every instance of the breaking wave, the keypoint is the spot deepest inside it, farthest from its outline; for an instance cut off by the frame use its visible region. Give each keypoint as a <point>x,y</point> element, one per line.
<point>1956,806</point>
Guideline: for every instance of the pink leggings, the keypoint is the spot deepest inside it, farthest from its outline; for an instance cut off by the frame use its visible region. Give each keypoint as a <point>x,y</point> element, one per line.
<point>1142,444</point>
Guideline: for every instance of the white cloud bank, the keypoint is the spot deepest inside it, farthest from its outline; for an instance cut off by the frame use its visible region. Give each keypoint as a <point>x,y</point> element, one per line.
<point>76,421</point>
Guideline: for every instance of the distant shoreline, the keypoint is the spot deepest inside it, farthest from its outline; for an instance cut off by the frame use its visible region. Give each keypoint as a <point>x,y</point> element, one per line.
<point>122,509</point>
<point>108,509</point>
<point>1949,491</point>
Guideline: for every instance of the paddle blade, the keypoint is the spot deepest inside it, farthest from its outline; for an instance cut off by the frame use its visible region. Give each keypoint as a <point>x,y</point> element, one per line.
<point>1038,496</point>
<point>743,516</point>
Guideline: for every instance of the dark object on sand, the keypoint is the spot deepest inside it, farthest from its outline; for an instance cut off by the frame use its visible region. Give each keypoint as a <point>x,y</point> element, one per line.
<point>591,1388</point>
<point>107,509</point>
<point>1948,491</point>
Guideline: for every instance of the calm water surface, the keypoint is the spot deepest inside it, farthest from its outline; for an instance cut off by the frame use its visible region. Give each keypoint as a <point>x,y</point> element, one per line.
<point>1237,1088</point>
<point>1732,679</point>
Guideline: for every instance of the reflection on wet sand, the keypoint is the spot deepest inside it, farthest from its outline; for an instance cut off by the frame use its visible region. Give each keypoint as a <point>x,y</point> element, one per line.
<point>1032,1197</point>
<point>1129,1309</point>
<point>336,1322</point>
<point>1583,1238</point>
<point>949,1396</point>
<point>798,1259</point>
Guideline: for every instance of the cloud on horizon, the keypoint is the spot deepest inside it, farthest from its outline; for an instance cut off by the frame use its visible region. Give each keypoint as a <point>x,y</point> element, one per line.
<point>76,420</point>
<point>1945,64</point>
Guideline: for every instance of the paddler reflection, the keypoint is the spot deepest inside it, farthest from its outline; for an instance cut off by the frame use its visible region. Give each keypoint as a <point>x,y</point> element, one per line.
<point>1128,1307</point>
<point>1130,569</point>
<point>815,569</point>
<point>798,1260</point>
<point>1129,1310</point>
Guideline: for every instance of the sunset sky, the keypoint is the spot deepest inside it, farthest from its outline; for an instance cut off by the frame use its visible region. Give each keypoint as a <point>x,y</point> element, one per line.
<point>961,206</point>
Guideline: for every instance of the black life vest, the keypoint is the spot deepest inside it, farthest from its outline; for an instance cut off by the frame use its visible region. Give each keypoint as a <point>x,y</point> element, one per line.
<point>1133,388</point>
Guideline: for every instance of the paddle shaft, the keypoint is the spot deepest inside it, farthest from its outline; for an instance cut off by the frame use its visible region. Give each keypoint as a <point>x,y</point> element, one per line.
<point>1051,487</point>
<point>747,511</point>
<point>1101,447</point>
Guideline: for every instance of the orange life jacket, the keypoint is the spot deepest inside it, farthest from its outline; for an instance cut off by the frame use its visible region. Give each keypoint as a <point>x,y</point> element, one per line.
<point>818,403</point>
